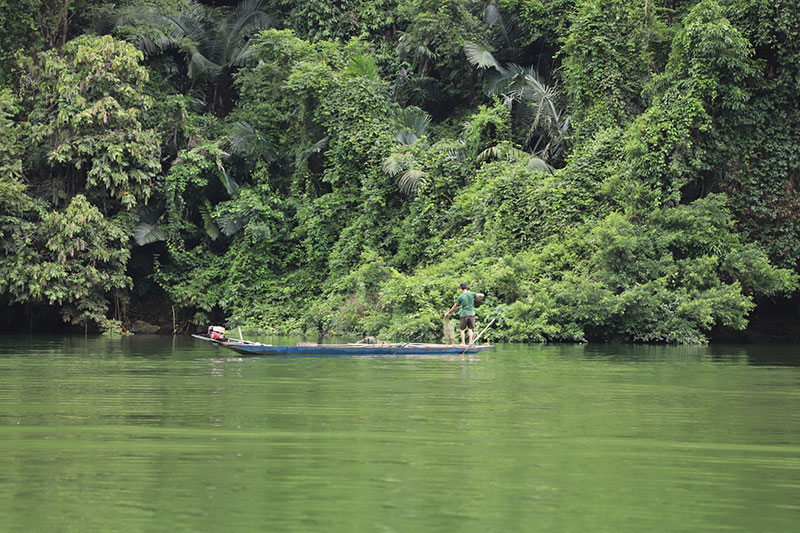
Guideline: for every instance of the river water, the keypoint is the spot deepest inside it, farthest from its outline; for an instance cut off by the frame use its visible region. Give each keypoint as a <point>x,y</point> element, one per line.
<point>170,434</point>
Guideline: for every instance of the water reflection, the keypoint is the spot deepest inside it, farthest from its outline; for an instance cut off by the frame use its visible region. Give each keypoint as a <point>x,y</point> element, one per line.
<point>155,346</point>
<point>753,354</point>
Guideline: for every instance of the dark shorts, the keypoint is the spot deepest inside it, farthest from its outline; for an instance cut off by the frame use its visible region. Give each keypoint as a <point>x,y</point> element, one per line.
<point>467,322</point>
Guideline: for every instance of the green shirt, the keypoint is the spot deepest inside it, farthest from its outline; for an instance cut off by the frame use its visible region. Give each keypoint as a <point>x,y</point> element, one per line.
<point>467,302</point>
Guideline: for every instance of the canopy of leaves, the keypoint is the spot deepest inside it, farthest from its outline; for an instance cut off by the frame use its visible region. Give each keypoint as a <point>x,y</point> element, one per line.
<point>88,113</point>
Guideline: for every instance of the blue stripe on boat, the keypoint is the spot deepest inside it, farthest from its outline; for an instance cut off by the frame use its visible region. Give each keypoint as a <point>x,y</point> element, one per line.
<point>256,348</point>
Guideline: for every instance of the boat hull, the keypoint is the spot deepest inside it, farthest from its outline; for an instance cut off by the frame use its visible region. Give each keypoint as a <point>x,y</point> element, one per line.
<point>254,348</point>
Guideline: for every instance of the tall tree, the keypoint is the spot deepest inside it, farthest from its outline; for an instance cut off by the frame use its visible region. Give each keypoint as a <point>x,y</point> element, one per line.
<point>88,136</point>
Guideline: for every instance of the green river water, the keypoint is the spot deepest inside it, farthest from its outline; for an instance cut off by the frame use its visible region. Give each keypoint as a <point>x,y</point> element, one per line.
<point>169,434</point>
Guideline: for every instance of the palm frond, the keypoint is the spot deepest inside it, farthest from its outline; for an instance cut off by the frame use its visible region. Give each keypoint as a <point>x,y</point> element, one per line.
<point>492,15</point>
<point>124,16</point>
<point>163,42</point>
<point>456,154</point>
<point>536,163</point>
<point>534,88</point>
<point>245,139</point>
<point>241,55</point>
<point>542,121</point>
<point>497,82</point>
<point>504,28</point>
<point>506,152</point>
<point>416,120</point>
<point>409,44</point>
<point>313,149</point>
<point>150,30</point>
<point>509,80</point>
<point>503,152</point>
<point>422,53</point>
<point>518,82</point>
<point>200,66</point>
<point>406,137</point>
<point>363,65</point>
<point>564,127</point>
<point>208,223</point>
<point>196,102</point>
<point>393,165</point>
<point>530,115</point>
<point>208,44</point>
<point>531,100</point>
<point>230,225</point>
<point>146,233</point>
<point>246,20</point>
<point>480,56</point>
<point>411,180</point>
<point>147,45</point>
<point>229,183</point>
<point>187,30</point>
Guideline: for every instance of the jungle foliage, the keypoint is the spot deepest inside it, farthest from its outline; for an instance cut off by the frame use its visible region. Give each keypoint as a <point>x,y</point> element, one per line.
<point>600,169</point>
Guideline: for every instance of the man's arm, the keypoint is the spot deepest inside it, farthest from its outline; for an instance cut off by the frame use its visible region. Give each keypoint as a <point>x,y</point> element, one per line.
<point>451,310</point>
<point>479,295</point>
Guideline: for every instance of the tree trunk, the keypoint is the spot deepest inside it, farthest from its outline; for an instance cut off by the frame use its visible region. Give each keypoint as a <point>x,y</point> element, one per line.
<point>64,24</point>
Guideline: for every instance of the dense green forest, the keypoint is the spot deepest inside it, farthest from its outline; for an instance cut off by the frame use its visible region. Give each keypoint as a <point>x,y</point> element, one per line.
<point>601,169</point>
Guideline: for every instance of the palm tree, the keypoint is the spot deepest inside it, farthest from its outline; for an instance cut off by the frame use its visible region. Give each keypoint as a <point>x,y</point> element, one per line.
<point>507,152</point>
<point>530,99</point>
<point>503,28</point>
<point>401,164</point>
<point>414,122</point>
<point>212,48</point>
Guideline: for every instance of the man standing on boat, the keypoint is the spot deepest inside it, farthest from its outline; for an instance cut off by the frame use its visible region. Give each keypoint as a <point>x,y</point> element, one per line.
<point>467,302</point>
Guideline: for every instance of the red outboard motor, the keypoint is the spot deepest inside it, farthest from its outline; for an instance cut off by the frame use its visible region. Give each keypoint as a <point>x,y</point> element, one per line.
<point>216,333</point>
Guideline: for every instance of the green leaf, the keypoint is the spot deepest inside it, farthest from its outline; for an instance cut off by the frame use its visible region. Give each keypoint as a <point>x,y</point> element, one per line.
<point>146,233</point>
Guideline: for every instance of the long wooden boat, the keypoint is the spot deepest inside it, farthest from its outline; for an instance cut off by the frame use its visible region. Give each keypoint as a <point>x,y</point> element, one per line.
<point>246,347</point>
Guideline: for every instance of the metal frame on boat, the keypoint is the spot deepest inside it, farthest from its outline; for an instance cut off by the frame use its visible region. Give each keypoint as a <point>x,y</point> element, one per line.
<point>246,347</point>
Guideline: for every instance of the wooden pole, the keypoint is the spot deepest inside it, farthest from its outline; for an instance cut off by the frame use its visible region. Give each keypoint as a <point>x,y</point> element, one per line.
<point>479,336</point>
